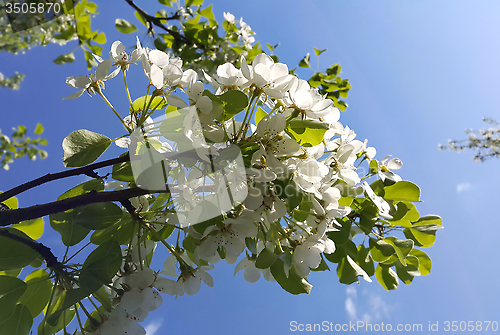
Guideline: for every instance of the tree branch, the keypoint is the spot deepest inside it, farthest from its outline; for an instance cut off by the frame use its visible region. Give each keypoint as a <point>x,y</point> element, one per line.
<point>86,170</point>
<point>13,216</point>
<point>43,250</point>
<point>153,20</point>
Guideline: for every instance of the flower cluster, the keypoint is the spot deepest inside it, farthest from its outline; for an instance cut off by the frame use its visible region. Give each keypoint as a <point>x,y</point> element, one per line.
<point>258,167</point>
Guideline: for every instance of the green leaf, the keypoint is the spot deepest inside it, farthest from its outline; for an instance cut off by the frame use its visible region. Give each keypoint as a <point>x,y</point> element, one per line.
<point>306,61</point>
<point>141,18</point>
<point>207,12</point>
<point>33,228</point>
<point>123,172</point>
<point>402,191</point>
<point>13,254</point>
<point>38,129</point>
<point>365,261</point>
<point>387,277</point>
<point>334,70</point>
<point>100,38</point>
<point>66,300</point>
<point>259,115</point>
<point>408,272</point>
<point>101,266</point>
<point>83,147</point>
<point>157,102</point>
<point>66,58</point>
<point>88,186</point>
<point>234,101</point>
<point>424,261</point>
<point>190,3</point>
<point>123,26</point>
<point>97,216</point>
<point>319,52</point>
<point>291,283</point>
<point>37,295</point>
<point>120,232</point>
<point>402,247</point>
<point>348,271</point>
<point>425,235</point>
<point>265,259</point>
<point>12,202</point>
<point>71,233</point>
<point>166,2</point>
<point>342,235</point>
<point>380,250</point>
<point>19,323</point>
<point>11,290</point>
<point>12,273</point>
<point>103,297</point>
<point>307,133</point>
<point>58,323</point>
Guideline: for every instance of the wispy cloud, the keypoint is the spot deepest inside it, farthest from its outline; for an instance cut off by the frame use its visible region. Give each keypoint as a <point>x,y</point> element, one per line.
<point>463,187</point>
<point>350,303</point>
<point>153,327</point>
<point>369,305</point>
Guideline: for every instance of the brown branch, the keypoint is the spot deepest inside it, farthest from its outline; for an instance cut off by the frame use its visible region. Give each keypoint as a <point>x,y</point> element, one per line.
<point>86,170</point>
<point>13,216</point>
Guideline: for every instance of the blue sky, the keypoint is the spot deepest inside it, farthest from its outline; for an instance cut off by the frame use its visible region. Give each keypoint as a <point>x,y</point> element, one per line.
<point>421,72</point>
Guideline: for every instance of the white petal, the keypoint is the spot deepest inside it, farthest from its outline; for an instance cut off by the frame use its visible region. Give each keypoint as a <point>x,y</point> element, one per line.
<point>158,58</point>
<point>78,81</point>
<point>116,49</point>
<point>74,95</point>
<point>192,285</point>
<point>156,76</point>
<point>103,69</point>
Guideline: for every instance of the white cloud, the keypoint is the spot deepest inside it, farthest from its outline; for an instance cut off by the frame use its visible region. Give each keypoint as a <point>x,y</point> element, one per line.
<point>369,305</point>
<point>153,327</point>
<point>378,308</point>
<point>463,187</point>
<point>350,304</point>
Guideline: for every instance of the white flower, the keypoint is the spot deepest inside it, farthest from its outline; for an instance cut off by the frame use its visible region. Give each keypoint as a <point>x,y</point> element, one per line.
<point>265,74</point>
<point>93,82</point>
<point>121,58</point>
<point>189,282</point>
<point>309,173</point>
<point>307,255</point>
<point>385,167</point>
<point>229,234</point>
<point>229,17</point>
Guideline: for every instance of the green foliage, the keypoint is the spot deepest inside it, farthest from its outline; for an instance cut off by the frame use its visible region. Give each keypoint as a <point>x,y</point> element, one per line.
<point>307,133</point>
<point>13,82</point>
<point>83,147</point>
<point>290,282</point>
<point>331,84</point>
<point>19,323</point>
<point>19,145</point>
<point>123,26</point>
<point>97,216</point>
<point>33,228</point>
<point>11,290</point>
<point>38,291</point>
<point>14,254</point>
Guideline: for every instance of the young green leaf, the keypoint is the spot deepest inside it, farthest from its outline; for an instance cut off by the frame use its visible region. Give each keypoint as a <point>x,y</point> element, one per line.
<point>83,147</point>
<point>123,26</point>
